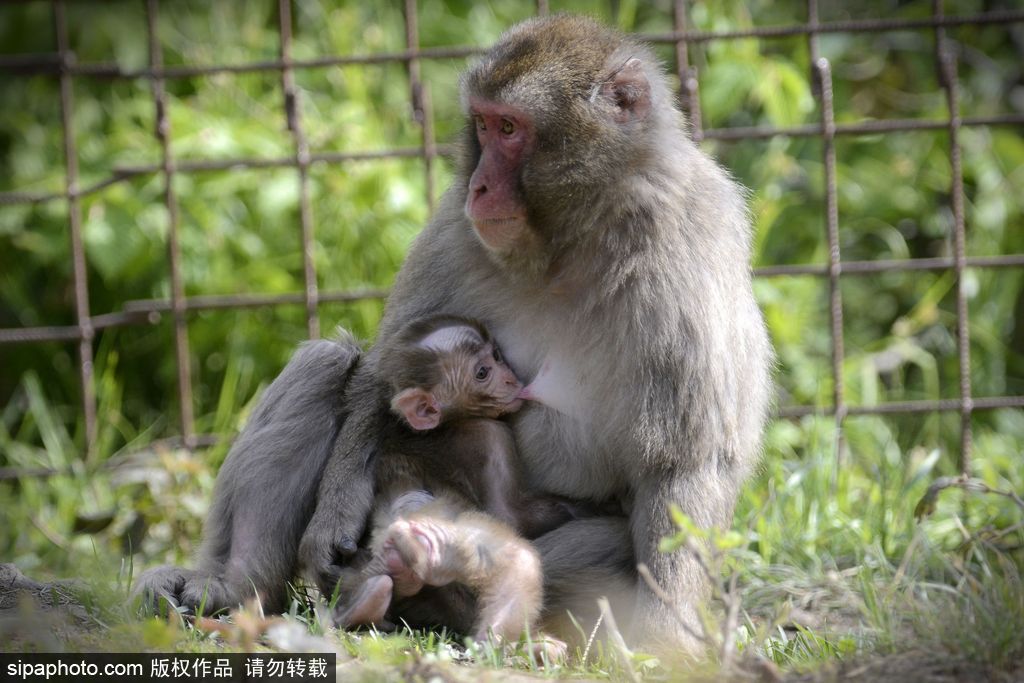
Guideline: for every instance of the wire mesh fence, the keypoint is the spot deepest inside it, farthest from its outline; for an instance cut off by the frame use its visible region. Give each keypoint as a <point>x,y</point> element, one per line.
<point>62,65</point>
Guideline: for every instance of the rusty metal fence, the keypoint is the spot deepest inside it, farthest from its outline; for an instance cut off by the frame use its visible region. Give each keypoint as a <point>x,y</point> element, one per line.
<point>62,65</point>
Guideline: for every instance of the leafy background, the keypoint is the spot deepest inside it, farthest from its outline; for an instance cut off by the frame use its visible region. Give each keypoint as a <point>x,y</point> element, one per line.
<point>811,509</point>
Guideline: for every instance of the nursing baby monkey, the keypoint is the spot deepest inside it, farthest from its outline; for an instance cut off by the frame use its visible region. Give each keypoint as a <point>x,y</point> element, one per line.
<point>448,507</point>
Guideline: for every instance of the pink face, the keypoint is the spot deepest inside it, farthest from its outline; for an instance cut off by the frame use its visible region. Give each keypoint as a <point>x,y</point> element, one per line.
<point>494,379</point>
<point>494,204</point>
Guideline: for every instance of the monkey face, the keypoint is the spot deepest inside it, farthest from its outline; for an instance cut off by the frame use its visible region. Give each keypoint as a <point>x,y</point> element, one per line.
<point>494,388</point>
<point>474,381</point>
<point>494,203</point>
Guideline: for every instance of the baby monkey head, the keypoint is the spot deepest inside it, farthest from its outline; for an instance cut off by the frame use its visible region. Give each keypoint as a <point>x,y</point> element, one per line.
<point>443,368</point>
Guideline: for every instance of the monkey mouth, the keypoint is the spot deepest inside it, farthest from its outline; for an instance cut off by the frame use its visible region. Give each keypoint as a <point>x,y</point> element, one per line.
<point>498,221</point>
<point>512,406</point>
<point>497,225</point>
<point>499,233</point>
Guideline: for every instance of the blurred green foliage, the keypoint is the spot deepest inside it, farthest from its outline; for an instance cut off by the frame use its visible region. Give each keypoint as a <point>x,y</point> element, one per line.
<point>239,233</point>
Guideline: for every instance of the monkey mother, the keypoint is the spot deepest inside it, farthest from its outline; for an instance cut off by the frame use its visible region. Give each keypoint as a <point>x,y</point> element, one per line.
<point>606,253</point>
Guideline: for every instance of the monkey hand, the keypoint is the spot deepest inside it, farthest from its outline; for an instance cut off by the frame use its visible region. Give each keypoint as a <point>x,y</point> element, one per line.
<point>323,554</point>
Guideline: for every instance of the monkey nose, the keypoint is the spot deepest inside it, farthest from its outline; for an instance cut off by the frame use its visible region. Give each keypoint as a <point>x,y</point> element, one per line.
<point>477,184</point>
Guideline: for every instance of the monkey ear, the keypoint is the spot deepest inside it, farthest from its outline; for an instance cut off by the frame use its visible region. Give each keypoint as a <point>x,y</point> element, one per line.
<point>630,91</point>
<point>419,408</point>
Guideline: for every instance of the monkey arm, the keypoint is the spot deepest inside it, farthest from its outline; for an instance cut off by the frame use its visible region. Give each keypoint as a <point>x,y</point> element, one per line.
<point>539,514</point>
<point>346,492</point>
<point>510,597</point>
<point>345,495</point>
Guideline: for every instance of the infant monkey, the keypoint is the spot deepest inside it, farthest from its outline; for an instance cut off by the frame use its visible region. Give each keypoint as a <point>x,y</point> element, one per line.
<point>448,505</point>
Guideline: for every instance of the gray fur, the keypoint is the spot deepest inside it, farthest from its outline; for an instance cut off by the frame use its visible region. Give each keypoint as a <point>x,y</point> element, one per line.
<point>262,498</point>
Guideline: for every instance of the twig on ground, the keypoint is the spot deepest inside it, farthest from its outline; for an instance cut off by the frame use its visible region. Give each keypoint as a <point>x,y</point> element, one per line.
<point>926,505</point>
<point>645,574</point>
<point>625,654</point>
<point>590,640</point>
<point>732,602</point>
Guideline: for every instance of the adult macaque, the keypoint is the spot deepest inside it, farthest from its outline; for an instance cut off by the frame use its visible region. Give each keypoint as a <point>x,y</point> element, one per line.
<point>444,462</point>
<point>593,238</point>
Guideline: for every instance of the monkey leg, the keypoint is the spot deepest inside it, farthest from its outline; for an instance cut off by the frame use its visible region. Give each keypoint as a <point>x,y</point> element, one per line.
<point>390,528</point>
<point>367,592</point>
<point>476,550</point>
<point>414,554</point>
<point>707,494</point>
<point>582,561</point>
<point>510,598</point>
<point>414,603</point>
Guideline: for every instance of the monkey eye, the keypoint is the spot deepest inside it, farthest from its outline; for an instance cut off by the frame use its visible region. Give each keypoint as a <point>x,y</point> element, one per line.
<point>507,127</point>
<point>497,354</point>
<point>479,122</point>
<point>482,373</point>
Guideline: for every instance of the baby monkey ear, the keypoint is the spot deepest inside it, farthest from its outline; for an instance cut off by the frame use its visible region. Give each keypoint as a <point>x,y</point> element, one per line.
<point>418,407</point>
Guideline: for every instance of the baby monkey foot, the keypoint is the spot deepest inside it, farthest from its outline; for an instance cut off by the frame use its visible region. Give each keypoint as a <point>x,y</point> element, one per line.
<point>369,604</point>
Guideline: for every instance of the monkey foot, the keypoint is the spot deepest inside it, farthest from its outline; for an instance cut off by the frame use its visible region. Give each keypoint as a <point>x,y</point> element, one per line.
<point>541,648</point>
<point>546,650</point>
<point>369,605</point>
<point>166,589</point>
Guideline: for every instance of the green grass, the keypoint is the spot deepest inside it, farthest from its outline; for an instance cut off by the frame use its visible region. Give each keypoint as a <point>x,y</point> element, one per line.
<point>827,569</point>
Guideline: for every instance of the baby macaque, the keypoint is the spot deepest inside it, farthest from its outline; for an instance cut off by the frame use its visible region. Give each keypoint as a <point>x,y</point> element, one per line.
<point>448,505</point>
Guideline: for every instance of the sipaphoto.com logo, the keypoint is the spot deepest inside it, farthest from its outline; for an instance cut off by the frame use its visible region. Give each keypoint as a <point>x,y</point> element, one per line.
<point>165,667</point>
